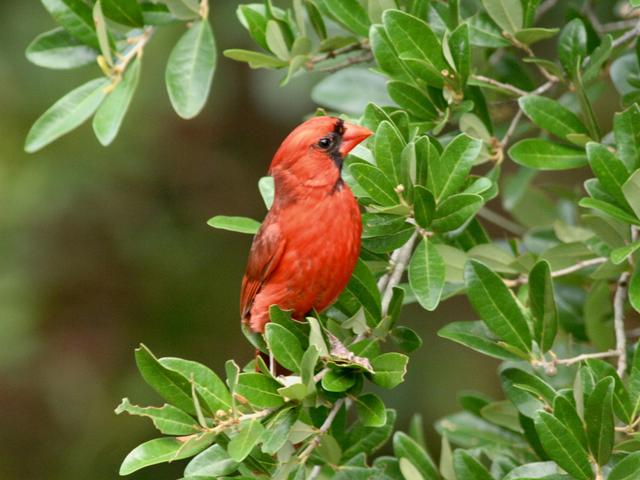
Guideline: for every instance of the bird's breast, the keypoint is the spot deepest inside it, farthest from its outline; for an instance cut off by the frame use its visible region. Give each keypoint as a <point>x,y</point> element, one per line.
<point>323,244</point>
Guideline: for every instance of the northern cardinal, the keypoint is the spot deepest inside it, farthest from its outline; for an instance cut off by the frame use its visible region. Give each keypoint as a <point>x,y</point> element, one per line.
<point>308,245</point>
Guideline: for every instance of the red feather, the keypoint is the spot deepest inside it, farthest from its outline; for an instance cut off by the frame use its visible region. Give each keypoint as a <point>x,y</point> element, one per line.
<point>307,247</point>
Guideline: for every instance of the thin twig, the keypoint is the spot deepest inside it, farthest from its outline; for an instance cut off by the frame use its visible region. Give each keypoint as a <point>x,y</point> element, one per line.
<point>615,26</point>
<point>396,273</point>
<point>619,301</point>
<point>512,128</point>
<point>137,47</point>
<point>629,35</point>
<point>384,279</point>
<point>585,356</point>
<point>544,87</point>
<point>324,428</point>
<point>559,273</point>
<point>502,222</point>
<point>364,58</point>
<point>505,86</point>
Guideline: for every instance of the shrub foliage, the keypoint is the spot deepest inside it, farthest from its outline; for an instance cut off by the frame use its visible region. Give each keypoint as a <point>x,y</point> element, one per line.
<point>454,91</point>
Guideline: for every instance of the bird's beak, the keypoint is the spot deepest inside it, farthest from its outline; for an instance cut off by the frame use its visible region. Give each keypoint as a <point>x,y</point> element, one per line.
<point>353,135</point>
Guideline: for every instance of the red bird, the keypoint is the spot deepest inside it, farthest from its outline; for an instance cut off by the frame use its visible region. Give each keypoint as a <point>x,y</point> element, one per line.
<point>307,247</point>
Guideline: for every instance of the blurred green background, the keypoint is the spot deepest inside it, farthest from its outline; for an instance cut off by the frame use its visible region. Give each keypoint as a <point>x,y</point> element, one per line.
<point>101,249</point>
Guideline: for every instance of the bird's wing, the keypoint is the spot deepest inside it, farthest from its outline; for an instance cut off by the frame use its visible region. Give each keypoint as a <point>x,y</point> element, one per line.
<point>264,256</point>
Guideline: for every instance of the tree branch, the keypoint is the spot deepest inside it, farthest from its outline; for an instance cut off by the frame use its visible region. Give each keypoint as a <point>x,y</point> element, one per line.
<point>629,35</point>
<point>585,356</point>
<point>559,273</point>
<point>619,301</point>
<point>324,428</point>
<point>404,255</point>
<point>505,86</point>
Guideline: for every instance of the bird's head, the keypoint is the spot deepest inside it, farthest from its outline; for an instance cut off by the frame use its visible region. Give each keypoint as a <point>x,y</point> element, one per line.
<point>312,154</point>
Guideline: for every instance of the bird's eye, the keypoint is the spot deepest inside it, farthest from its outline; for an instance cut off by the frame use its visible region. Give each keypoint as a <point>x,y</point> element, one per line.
<point>325,142</point>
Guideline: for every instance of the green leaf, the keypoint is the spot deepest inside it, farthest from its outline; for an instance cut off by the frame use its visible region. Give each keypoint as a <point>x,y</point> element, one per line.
<point>168,419</point>
<point>598,416</point>
<point>260,390</point>
<point>533,35</point>
<point>362,291</point>
<point>284,346</point>
<point>507,14</point>
<point>423,206</point>
<point>212,462</point>
<point>631,192</point>
<point>610,209</point>
<point>235,224</point>
<point>621,401</point>
<point>406,447</point>
<point>543,155</point>
<point>414,39</point>
<point>386,56</point>
<point>275,40</point>
<point>387,150</point>
<point>66,114</point>
<point>109,117</point>
<point>611,172</point>
<point>634,383</point>
<point>190,69</point>
<point>256,24</point>
<point>125,12</point>
<point>277,432</point>
<point>426,274</point>
<point>455,211</point>
<point>76,18</point>
<point>375,183</point>
<point>182,9</point>
<point>627,468</point>
<point>248,435</point>
<point>597,58</point>
<point>543,305</point>
<point>550,115</point>
<point>407,339</point>
<point>59,50</point>
<point>338,380</point>
<point>626,127</point>
<point>165,449</point>
<point>390,369</point>
<point>461,51</point>
<point>170,385</point>
<point>255,59</point>
<point>564,411</point>
<point>371,410</point>
<point>468,468</point>
<point>496,305</point>
<point>315,18</point>
<point>483,32</point>
<point>412,99</point>
<point>634,290</point>
<point>408,470</point>
<point>620,254</point>
<point>208,385</point>
<point>526,391</point>
<point>368,439</point>
<point>350,14</point>
<point>448,175</point>
<point>572,45</point>
<point>562,446</point>
<point>476,336</point>
<point>350,90</point>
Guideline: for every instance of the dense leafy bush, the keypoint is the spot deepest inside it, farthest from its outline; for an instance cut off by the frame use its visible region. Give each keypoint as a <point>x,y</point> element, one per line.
<point>450,86</point>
